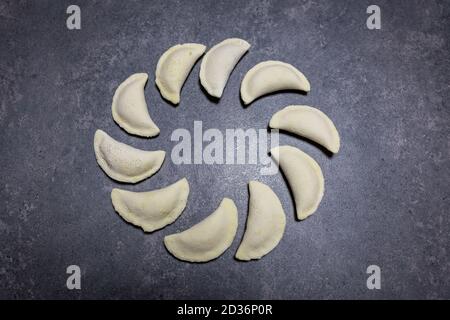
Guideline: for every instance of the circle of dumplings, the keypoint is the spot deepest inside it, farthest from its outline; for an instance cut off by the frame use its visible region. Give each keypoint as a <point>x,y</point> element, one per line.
<point>155,209</point>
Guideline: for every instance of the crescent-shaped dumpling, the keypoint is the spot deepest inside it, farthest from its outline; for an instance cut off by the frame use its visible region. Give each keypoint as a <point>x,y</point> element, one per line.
<point>152,210</point>
<point>129,108</point>
<point>304,176</point>
<point>308,122</point>
<point>265,223</point>
<point>174,67</point>
<point>271,76</point>
<point>219,62</point>
<point>124,163</point>
<point>207,239</point>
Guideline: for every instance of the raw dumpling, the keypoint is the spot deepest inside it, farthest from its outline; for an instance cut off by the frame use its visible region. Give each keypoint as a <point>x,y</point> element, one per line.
<point>124,163</point>
<point>129,108</point>
<point>207,239</point>
<point>308,122</point>
<point>174,67</point>
<point>265,223</point>
<point>219,62</point>
<point>271,76</point>
<point>304,176</point>
<point>152,210</point>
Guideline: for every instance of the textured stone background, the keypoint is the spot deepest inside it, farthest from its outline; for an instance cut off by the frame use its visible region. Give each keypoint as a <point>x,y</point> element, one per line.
<point>387,192</point>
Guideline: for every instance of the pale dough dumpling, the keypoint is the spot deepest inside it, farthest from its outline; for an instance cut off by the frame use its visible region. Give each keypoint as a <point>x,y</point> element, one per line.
<point>174,67</point>
<point>307,122</point>
<point>271,76</point>
<point>265,223</point>
<point>152,210</point>
<point>207,239</point>
<point>219,62</point>
<point>129,108</point>
<point>304,176</point>
<point>124,163</point>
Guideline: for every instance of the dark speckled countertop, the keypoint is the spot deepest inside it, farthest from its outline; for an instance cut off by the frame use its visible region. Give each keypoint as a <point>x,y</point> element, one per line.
<point>387,191</point>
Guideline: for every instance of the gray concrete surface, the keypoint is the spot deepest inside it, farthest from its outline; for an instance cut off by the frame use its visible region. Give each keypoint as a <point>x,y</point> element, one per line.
<point>387,191</point>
